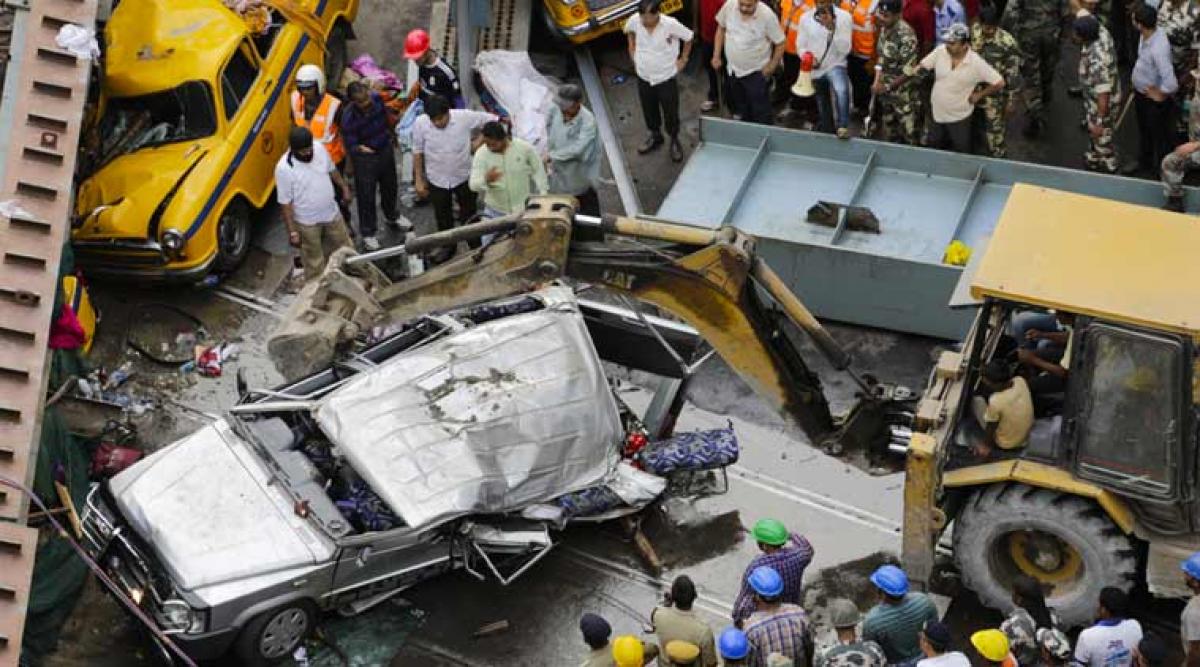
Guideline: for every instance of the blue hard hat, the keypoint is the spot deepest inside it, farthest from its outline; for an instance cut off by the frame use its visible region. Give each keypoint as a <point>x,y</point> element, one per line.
<point>733,644</point>
<point>765,581</point>
<point>890,579</point>
<point>1192,565</point>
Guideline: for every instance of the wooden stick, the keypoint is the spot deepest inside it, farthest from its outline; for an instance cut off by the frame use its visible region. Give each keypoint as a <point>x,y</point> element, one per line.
<point>64,497</point>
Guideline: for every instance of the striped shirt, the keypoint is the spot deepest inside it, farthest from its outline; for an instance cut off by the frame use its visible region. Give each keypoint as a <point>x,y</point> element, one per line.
<point>895,626</point>
<point>789,561</point>
<point>783,630</point>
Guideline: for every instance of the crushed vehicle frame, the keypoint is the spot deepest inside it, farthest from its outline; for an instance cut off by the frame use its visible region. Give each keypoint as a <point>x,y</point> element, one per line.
<point>280,593</point>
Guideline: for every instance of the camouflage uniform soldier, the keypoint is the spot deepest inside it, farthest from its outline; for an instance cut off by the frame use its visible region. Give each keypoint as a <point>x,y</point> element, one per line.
<point>1021,630</point>
<point>1035,24</point>
<point>1178,19</point>
<point>898,99</point>
<point>849,650</point>
<point>1000,50</point>
<point>1101,97</point>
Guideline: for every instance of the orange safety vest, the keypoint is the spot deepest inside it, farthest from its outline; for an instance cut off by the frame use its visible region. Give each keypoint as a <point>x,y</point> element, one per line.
<point>321,125</point>
<point>862,40</point>
<point>790,13</point>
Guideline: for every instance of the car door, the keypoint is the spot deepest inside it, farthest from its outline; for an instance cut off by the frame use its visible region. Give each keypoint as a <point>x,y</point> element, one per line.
<point>247,92</point>
<point>374,562</point>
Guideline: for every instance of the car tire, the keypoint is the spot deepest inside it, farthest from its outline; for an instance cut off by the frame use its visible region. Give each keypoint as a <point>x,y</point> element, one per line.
<point>273,635</point>
<point>233,236</point>
<point>1065,541</point>
<point>337,54</point>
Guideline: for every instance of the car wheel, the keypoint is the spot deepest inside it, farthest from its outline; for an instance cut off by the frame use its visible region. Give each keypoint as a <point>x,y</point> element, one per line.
<point>274,635</point>
<point>337,54</point>
<point>1066,542</point>
<point>233,236</point>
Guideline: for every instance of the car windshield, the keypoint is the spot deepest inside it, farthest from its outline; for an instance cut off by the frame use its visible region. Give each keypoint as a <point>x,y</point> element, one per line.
<point>183,113</point>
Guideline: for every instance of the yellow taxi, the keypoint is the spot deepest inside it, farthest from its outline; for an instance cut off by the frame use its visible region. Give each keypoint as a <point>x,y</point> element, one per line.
<point>192,116</point>
<point>583,20</point>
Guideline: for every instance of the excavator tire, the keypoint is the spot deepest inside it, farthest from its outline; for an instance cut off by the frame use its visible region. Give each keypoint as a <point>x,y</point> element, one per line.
<point>1065,541</point>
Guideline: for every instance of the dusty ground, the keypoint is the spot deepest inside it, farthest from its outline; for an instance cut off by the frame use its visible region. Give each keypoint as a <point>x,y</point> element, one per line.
<point>852,517</point>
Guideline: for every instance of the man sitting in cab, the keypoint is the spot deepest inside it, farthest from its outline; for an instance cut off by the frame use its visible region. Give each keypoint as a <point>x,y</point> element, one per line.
<point>1005,414</point>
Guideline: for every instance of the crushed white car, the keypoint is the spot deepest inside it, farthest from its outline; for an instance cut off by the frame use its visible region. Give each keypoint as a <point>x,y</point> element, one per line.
<point>462,441</point>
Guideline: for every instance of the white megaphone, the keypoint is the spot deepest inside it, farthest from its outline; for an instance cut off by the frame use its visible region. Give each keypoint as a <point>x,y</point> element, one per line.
<point>804,85</point>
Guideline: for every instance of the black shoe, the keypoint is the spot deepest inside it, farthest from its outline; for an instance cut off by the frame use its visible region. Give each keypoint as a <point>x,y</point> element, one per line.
<point>652,141</point>
<point>1174,204</point>
<point>676,151</point>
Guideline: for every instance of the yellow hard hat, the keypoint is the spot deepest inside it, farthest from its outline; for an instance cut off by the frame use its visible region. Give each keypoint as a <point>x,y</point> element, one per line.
<point>991,644</point>
<point>628,651</point>
<point>683,652</point>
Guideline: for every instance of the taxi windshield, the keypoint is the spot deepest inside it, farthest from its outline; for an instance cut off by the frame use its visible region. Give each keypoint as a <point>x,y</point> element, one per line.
<point>183,113</point>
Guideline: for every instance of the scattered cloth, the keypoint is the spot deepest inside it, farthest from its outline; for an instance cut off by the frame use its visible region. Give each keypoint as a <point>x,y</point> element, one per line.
<point>66,333</point>
<point>11,209</point>
<point>519,88</point>
<point>698,450</point>
<point>79,41</point>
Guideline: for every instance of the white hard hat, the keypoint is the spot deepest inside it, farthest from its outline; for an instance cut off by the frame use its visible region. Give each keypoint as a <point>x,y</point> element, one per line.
<point>311,74</point>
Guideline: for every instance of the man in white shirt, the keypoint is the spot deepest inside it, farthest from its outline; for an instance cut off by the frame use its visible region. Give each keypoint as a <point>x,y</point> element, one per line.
<point>957,71</point>
<point>1112,640</point>
<point>304,180</point>
<point>659,46</point>
<point>749,36</point>
<point>442,142</point>
<point>825,33</point>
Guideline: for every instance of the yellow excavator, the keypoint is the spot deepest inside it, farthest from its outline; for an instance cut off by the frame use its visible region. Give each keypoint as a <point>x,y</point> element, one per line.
<point>1106,491</point>
<point>710,279</point>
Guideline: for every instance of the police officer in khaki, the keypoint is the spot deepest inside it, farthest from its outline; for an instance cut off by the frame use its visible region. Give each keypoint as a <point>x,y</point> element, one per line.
<point>676,622</point>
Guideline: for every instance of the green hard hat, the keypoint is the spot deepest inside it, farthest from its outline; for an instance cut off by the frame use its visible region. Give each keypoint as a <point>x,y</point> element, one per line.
<point>770,531</point>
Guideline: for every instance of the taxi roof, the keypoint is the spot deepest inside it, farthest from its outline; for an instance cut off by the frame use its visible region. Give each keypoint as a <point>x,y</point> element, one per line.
<point>155,45</point>
<point>1092,256</point>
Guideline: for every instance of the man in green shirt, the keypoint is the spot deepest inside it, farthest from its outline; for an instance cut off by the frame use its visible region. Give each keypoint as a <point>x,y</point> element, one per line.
<point>896,622</point>
<point>506,170</point>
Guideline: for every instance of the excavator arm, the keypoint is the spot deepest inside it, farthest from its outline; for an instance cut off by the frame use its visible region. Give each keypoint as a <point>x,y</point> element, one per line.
<point>710,279</point>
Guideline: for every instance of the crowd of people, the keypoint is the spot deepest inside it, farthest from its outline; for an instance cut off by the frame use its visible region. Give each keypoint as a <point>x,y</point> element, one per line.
<point>950,75</point>
<point>771,628</point>
<point>466,164</point>
<point>937,73</point>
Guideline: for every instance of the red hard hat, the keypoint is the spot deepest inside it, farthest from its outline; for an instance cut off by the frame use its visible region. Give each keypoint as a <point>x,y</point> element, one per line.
<point>416,44</point>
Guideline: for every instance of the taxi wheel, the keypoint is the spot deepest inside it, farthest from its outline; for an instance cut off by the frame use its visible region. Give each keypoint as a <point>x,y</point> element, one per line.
<point>233,236</point>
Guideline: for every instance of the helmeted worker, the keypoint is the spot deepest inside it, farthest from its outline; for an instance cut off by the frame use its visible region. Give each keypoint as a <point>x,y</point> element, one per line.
<point>896,622</point>
<point>899,103</point>
<point>1189,620</point>
<point>436,76</point>
<point>317,110</point>
<point>679,653</point>
<point>734,647</point>
<point>849,650</point>
<point>860,63</point>
<point>992,646</point>
<point>627,651</point>
<point>789,554</point>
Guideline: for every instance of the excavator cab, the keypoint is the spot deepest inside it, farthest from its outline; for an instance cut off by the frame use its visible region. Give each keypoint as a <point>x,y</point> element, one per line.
<point>1103,492</point>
